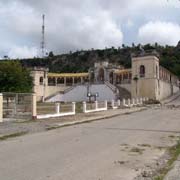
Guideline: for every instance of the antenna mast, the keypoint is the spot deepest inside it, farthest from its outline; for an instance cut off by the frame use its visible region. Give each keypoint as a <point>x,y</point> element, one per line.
<point>43,36</point>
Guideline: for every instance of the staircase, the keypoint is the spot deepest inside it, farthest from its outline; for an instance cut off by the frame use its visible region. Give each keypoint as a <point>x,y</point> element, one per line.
<point>123,93</point>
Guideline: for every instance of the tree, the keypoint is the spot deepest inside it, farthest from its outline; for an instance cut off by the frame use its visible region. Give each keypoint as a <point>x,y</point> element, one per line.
<point>14,77</point>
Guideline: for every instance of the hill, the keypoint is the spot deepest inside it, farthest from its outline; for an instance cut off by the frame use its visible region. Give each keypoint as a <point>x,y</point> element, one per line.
<point>81,61</point>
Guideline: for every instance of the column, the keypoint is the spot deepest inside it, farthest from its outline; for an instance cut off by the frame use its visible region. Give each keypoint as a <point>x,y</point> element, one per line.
<point>72,80</point>
<point>55,81</point>
<point>96,105</point>
<point>84,107</point>
<point>64,81</point>
<point>74,107</point>
<point>57,108</point>
<point>81,80</point>
<point>1,108</point>
<point>34,106</point>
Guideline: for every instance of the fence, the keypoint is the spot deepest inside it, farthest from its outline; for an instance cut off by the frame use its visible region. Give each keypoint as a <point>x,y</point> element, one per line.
<point>97,106</point>
<point>16,106</point>
<point>128,103</point>
<point>59,110</point>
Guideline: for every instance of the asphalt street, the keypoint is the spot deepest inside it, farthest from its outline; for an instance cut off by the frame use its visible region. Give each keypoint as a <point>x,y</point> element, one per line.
<point>112,149</point>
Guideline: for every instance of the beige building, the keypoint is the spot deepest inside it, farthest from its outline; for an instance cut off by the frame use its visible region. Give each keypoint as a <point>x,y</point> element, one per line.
<point>146,78</point>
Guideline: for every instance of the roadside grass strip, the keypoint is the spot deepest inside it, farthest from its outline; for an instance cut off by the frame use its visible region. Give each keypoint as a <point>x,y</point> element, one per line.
<point>173,152</point>
<point>13,135</point>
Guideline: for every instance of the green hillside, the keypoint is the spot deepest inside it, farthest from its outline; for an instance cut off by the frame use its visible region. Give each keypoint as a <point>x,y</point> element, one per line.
<point>81,61</point>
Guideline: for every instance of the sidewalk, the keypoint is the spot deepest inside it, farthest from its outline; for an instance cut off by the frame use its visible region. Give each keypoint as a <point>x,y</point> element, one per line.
<point>34,126</point>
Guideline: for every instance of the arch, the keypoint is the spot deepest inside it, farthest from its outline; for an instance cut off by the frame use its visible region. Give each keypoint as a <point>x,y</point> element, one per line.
<point>101,75</point>
<point>69,81</point>
<point>142,71</point>
<point>51,81</point>
<point>111,77</point>
<point>41,80</point>
<point>77,80</point>
<point>60,80</point>
<point>92,76</point>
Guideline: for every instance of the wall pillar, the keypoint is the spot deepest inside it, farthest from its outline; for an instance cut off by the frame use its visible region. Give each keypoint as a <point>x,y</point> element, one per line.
<point>81,80</point>
<point>57,108</point>
<point>96,105</point>
<point>119,102</point>
<point>112,103</point>
<point>73,107</point>
<point>34,106</point>
<point>84,107</point>
<point>122,78</point>
<point>72,80</point>
<point>64,81</point>
<point>55,81</point>
<point>106,104</point>
<point>1,108</point>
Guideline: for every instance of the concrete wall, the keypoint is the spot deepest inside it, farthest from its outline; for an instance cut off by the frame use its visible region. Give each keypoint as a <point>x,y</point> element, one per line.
<point>166,89</point>
<point>175,89</point>
<point>145,86</point>
<point>50,90</point>
<point>79,93</point>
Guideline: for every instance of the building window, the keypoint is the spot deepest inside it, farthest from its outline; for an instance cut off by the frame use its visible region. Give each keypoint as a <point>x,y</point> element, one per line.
<point>142,71</point>
<point>41,80</point>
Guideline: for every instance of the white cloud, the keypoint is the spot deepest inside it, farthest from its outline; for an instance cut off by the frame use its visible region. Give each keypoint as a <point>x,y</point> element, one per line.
<point>78,24</point>
<point>129,23</point>
<point>161,32</point>
<point>22,52</point>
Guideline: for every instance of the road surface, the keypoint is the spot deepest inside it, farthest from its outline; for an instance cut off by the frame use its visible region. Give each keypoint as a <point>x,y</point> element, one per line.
<point>118,148</point>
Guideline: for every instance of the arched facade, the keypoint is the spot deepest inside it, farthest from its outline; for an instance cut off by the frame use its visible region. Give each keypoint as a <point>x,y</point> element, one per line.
<point>101,75</point>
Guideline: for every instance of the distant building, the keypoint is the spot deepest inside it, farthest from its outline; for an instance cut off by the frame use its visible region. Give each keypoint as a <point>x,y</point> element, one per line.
<point>146,78</point>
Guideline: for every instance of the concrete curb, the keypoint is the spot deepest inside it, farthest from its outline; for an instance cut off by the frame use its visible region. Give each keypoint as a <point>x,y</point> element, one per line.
<point>60,125</point>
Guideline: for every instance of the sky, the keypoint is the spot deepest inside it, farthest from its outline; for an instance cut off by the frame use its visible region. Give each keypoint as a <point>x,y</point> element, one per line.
<point>73,25</point>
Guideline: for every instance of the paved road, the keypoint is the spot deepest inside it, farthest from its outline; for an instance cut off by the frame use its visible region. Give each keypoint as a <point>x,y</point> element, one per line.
<point>118,148</point>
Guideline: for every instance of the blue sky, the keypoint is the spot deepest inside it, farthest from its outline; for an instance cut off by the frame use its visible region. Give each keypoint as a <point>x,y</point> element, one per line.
<point>84,24</point>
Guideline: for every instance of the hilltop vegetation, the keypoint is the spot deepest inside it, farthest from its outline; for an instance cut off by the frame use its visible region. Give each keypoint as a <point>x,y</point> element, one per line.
<point>81,61</point>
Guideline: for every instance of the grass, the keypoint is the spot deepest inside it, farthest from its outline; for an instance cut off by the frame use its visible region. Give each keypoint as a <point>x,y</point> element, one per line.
<point>13,135</point>
<point>53,127</point>
<point>174,152</point>
<point>144,145</point>
<point>137,150</point>
<point>79,108</point>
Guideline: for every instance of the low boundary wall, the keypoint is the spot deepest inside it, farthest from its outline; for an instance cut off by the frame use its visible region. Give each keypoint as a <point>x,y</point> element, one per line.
<point>58,113</point>
<point>97,106</point>
<point>96,109</point>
